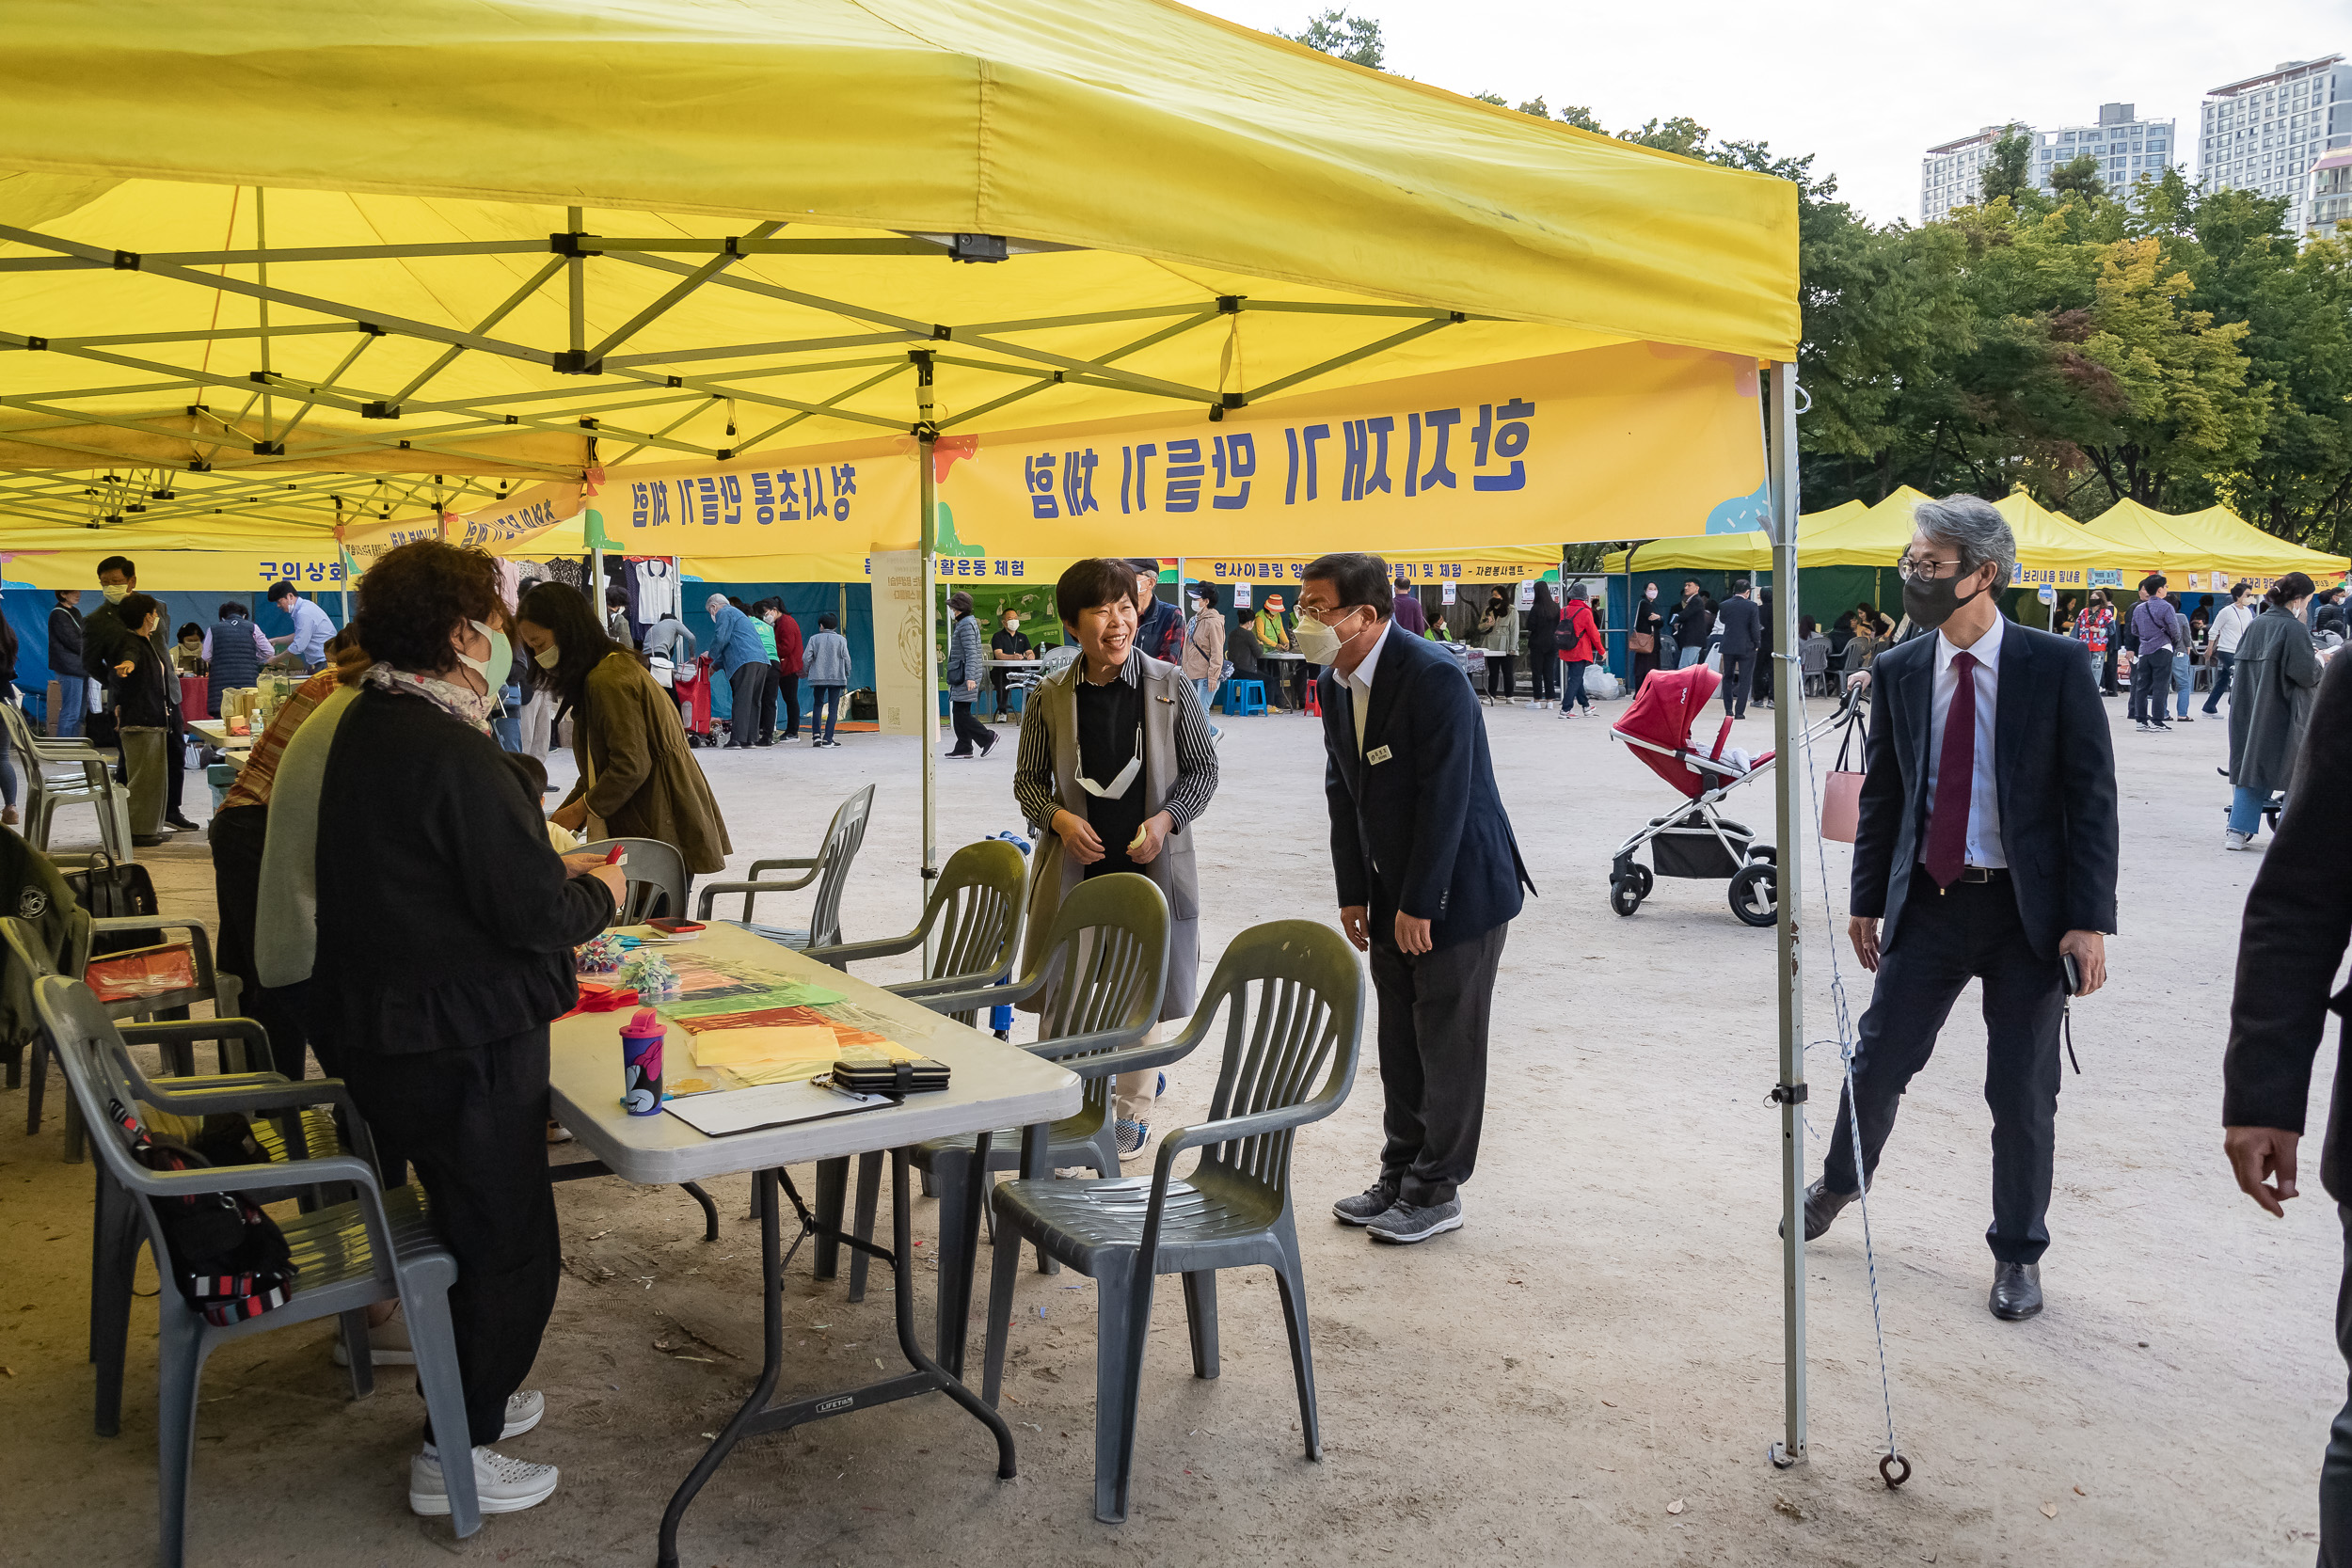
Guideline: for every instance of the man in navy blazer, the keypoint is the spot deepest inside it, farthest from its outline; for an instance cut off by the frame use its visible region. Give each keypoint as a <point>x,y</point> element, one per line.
<point>1740,619</point>
<point>1988,850</point>
<point>1429,877</point>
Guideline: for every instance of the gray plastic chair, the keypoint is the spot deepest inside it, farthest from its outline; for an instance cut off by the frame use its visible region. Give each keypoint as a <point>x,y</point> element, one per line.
<point>1293,997</point>
<point>1103,970</point>
<point>829,870</point>
<point>347,1255</point>
<point>67,771</point>
<point>654,878</point>
<point>973,920</point>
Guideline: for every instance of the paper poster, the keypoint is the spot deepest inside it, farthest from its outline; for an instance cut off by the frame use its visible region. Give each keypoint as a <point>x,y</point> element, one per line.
<point>1445,593</point>
<point>1241,596</point>
<point>1527,594</point>
<point>904,689</point>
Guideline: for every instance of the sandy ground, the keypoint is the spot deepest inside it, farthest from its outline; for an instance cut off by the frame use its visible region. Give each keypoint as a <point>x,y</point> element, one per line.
<point>1602,1342</point>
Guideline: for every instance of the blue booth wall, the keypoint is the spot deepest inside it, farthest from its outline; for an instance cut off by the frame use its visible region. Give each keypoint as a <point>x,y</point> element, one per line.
<point>27,611</point>
<point>803,602</point>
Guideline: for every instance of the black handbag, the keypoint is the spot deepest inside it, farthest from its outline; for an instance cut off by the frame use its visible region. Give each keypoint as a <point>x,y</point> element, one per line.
<point>109,889</point>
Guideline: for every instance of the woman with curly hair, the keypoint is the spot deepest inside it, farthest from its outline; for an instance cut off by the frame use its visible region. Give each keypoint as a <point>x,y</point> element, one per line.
<point>637,779</point>
<point>445,926</point>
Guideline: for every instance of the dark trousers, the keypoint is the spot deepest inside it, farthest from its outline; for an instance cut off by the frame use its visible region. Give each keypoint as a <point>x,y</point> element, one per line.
<point>236,835</point>
<point>2335,1471</point>
<point>1645,666</point>
<point>474,1122</point>
<point>1501,679</point>
<point>1739,669</point>
<point>1434,1012</point>
<point>970,731</point>
<point>1573,694</point>
<point>1971,931</point>
<point>2222,664</point>
<point>1760,686</point>
<point>767,694</point>
<point>2151,685</point>
<point>748,683</point>
<point>825,705</point>
<point>1543,670</point>
<point>2106,670</point>
<point>789,692</point>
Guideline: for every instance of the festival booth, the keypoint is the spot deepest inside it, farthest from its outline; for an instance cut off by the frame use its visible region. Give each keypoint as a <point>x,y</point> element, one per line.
<point>2203,553</point>
<point>908,282</point>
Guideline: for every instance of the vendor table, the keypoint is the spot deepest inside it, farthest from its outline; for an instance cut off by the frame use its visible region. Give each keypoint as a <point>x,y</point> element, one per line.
<point>992,1084</point>
<point>217,732</point>
<point>992,662</point>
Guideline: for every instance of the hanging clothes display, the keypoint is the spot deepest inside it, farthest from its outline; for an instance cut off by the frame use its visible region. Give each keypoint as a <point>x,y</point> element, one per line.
<point>653,588</point>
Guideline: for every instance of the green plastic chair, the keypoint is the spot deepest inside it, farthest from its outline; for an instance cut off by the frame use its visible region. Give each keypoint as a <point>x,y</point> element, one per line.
<point>829,870</point>
<point>1103,968</point>
<point>1292,994</point>
<point>346,1256</point>
<point>973,920</point>
<point>653,879</point>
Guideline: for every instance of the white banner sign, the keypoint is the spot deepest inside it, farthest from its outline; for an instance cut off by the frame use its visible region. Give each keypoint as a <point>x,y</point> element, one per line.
<point>906,701</point>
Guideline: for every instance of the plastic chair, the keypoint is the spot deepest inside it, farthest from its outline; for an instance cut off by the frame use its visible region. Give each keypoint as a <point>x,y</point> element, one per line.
<point>347,1255</point>
<point>1232,1211</point>
<point>1103,970</point>
<point>654,878</point>
<point>974,919</point>
<point>829,871</point>
<point>1244,697</point>
<point>83,773</point>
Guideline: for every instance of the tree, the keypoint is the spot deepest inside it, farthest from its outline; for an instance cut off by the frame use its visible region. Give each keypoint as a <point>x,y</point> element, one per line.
<point>2078,178</point>
<point>1580,116</point>
<point>1348,37</point>
<point>2010,171</point>
<point>1535,106</point>
<point>1680,134</point>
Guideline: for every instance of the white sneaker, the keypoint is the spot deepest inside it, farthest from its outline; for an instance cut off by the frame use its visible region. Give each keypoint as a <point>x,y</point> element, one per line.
<point>2233,839</point>
<point>500,1484</point>
<point>523,1412</point>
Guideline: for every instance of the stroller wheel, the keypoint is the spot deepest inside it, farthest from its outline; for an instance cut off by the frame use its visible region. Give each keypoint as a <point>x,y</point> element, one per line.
<point>1755,893</point>
<point>1764,852</point>
<point>1626,891</point>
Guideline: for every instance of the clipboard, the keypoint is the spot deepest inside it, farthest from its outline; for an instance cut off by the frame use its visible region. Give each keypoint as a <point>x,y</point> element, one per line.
<point>732,1111</point>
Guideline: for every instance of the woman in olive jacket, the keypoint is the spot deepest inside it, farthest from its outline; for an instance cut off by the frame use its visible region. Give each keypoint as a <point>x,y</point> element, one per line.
<point>637,779</point>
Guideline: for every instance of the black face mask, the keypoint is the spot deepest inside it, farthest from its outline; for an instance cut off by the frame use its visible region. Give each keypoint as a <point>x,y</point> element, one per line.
<point>1931,604</point>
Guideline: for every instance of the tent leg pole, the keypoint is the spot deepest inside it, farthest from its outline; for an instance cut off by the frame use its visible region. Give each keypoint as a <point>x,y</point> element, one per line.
<point>925,434</point>
<point>1790,827</point>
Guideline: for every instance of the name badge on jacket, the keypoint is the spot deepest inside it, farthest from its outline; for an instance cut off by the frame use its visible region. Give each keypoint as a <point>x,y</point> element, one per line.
<point>1377,754</point>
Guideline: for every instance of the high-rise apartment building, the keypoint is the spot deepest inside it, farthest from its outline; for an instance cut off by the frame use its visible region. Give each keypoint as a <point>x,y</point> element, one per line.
<point>2270,134</point>
<point>2126,147</point>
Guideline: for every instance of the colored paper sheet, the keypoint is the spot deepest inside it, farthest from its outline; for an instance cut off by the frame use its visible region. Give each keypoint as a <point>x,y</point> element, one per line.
<point>763,1048</point>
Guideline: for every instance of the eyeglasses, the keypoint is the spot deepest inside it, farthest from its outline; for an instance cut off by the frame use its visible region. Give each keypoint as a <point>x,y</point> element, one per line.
<point>1914,569</point>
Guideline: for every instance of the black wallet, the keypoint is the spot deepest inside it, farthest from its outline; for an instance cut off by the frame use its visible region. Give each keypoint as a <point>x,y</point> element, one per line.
<point>920,1076</point>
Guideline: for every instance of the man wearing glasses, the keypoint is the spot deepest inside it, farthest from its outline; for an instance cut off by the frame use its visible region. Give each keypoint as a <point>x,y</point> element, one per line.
<point>1429,877</point>
<point>1986,846</point>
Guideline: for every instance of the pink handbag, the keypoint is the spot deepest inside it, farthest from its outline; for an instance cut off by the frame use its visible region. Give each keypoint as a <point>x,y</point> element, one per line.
<point>1842,796</point>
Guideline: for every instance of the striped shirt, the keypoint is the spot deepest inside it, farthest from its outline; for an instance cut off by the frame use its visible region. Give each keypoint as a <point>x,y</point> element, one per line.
<point>1196,758</point>
<point>254,780</point>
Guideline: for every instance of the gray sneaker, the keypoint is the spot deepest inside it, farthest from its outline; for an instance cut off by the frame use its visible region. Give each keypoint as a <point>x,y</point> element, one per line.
<point>1403,1223</point>
<point>1366,1206</point>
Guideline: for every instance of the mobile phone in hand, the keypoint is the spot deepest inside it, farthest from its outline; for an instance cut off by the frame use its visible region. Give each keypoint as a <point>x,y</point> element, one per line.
<point>2073,973</point>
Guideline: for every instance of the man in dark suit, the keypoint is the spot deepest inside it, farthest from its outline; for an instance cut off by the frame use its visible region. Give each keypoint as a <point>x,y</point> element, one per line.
<point>1429,877</point>
<point>2299,918</point>
<point>1987,845</point>
<point>1741,622</point>
<point>1695,623</point>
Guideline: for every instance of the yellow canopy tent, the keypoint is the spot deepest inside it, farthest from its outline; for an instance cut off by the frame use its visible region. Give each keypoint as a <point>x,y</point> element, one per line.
<point>2050,548</point>
<point>2203,551</point>
<point>1750,550</point>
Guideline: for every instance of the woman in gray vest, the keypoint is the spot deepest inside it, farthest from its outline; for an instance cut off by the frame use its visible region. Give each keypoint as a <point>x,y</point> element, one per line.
<point>235,650</point>
<point>1116,763</point>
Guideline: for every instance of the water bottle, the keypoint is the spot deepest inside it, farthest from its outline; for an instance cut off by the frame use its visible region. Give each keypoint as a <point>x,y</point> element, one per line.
<point>641,1064</point>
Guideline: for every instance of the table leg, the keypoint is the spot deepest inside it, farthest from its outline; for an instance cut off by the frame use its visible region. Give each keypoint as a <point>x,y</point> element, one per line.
<point>755,1417</point>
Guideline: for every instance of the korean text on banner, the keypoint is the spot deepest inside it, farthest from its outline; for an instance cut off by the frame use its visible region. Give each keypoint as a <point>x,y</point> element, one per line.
<point>906,701</point>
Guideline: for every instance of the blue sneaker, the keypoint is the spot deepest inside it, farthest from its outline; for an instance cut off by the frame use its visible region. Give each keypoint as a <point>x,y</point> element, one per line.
<point>1132,1136</point>
<point>1161,1087</point>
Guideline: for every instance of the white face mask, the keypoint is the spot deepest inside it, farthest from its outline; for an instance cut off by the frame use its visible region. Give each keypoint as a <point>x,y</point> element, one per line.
<point>500,656</point>
<point>116,591</point>
<point>1650,592</point>
<point>1318,643</point>
<point>549,656</point>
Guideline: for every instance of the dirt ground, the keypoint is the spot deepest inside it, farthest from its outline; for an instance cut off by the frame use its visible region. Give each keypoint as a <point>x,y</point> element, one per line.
<point>1588,1373</point>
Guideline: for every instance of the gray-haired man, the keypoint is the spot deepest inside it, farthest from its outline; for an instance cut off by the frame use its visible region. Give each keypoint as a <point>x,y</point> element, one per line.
<point>1987,846</point>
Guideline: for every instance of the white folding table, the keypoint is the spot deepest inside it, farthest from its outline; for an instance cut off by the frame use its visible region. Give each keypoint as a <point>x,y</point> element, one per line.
<point>992,1086</point>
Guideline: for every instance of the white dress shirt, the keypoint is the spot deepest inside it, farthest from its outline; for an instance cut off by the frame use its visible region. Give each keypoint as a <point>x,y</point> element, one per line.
<point>1984,802</point>
<point>2229,627</point>
<point>1359,685</point>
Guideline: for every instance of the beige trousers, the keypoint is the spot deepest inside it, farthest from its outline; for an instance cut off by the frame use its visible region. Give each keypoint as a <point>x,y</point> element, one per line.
<point>1132,1094</point>
<point>143,764</point>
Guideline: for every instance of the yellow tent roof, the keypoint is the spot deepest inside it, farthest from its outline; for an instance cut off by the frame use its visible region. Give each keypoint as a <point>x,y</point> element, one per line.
<point>760,208</point>
<point>2049,547</point>
<point>1748,551</point>
<point>2216,545</point>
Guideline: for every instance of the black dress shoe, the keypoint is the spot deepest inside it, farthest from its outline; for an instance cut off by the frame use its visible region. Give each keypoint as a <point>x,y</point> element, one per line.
<point>1820,1209</point>
<point>183,824</point>
<point>2016,1290</point>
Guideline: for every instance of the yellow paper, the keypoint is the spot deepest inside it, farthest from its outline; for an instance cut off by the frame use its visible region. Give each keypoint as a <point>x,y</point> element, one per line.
<point>770,1047</point>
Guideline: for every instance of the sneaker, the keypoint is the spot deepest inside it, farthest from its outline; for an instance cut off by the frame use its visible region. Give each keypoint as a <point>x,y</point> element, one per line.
<point>502,1485</point>
<point>988,745</point>
<point>1365,1207</point>
<point>1133,1136</point>
<point>523,1412</point>
<point>2162,728</point>
<point>959,757</point>
<point>387,1344</point>
<point>2233,839</point>
<point>2143,726</point>
<point>1403,1223</point>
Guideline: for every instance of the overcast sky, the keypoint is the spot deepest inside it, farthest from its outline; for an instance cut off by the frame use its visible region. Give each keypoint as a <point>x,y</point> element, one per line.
<point>1867,86</point>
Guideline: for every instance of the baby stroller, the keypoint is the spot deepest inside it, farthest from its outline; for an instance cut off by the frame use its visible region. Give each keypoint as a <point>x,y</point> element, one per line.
<point>691,686</point>
<point>1698,841</point>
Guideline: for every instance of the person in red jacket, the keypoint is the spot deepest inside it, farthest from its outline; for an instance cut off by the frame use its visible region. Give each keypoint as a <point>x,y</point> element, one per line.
<point>787,665</point>
<point>1579,646</point>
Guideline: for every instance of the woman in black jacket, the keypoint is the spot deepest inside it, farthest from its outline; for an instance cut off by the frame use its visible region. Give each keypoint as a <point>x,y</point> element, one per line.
<point>1543,646</point>
<point>445,933</point>
<point>65,663</point>
<point>139,690</point>
<point>1649,619</point>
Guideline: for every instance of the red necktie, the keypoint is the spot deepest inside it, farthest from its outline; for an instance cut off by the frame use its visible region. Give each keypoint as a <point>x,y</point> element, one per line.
<point>1955,773</point>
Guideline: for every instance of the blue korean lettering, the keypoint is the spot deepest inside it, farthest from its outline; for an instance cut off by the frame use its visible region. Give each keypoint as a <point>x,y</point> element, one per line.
<point>1135,466</point>
<point>1077,483</point>
<point>844,487</point>
<point>1185,471</point>
<point>763,499</point>
<point>730,499</point>
<point>1509,440</point>
<point>1236,458</point>
<point>788,496</point>
<point>1038,474</point>
<point>813,485</point>
<point>1440,423</point>
<point>710,501</point>
<point>637,505</point>
<point>1367,466</point>
<point>659,506</point>
<point>1297,438</point>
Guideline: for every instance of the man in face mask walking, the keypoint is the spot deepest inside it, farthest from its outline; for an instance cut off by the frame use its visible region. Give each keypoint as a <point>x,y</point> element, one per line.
<point>106,642</point>
<point>1987,846</point>
<point>1429,878</point>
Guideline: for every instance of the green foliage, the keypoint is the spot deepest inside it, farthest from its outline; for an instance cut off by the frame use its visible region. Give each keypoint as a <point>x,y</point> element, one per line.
<point>2079,179</point>
<point>2010,173</point>
<point>1348,37</point>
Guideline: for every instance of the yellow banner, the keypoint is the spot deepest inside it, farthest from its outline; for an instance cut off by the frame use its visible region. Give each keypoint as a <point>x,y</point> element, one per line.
<point>821,507</point>
<point>309,568</point>
<point>1538,563</point>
